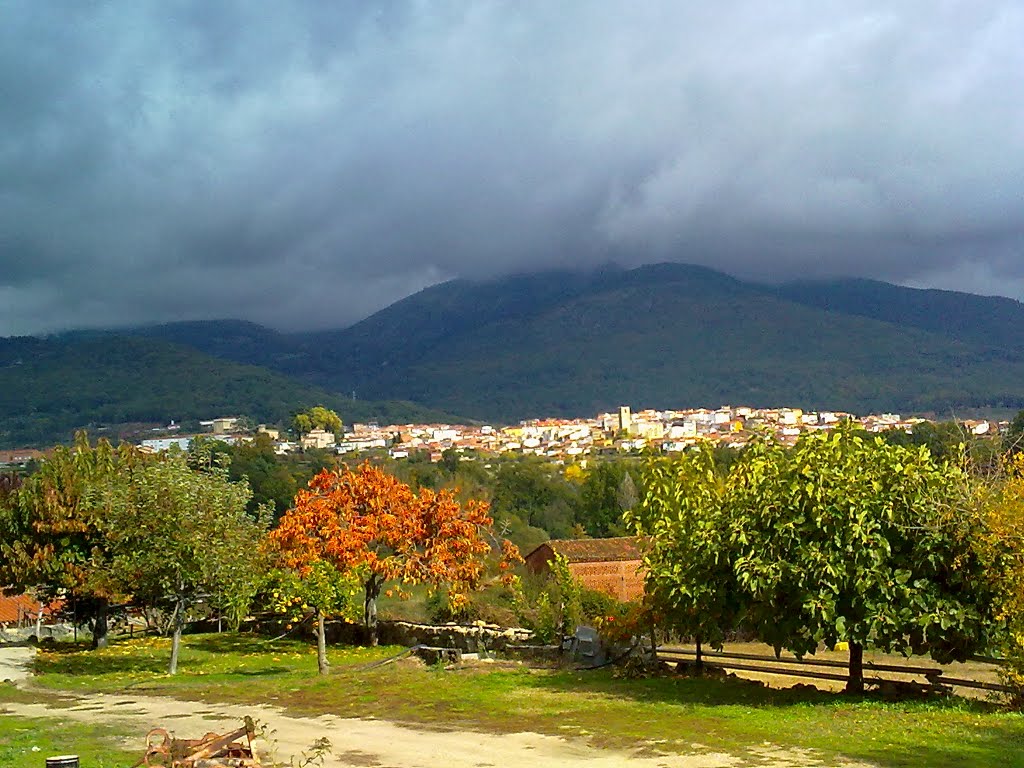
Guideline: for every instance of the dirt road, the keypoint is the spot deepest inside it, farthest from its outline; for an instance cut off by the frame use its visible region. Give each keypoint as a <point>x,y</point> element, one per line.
<point>359,742</point>
<point>14,662</point>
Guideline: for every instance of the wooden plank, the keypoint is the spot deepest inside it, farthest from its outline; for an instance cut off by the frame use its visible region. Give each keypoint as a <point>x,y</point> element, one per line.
<point>934,680</point>
<point>974,684</point>
<point>789,672</point>
<point>987,660</point>
<point>868,665</point>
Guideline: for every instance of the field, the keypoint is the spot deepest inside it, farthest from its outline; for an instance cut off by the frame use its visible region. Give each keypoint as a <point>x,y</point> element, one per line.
<point>666,715</point>
<point>27,742</point>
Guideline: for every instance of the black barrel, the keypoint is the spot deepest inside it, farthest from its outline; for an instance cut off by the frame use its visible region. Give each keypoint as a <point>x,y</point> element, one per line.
<point>62,761</point>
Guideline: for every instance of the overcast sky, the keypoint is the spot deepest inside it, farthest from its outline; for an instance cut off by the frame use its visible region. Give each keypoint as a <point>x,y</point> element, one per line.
<point>302,164</point>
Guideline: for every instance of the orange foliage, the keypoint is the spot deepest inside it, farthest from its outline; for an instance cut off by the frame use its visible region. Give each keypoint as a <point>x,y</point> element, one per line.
<point>367,521</point>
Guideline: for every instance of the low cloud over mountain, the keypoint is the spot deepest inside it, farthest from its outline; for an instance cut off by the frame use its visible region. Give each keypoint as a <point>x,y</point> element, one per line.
<point>305,164</point>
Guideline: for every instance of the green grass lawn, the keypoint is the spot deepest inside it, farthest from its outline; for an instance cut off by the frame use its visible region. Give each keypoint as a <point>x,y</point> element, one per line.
<point>666,713</point>
<point>27,742</point>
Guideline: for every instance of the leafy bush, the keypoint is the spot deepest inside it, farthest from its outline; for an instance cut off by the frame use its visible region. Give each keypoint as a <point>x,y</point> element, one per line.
<point>595,605</point>
<point>551,606</point>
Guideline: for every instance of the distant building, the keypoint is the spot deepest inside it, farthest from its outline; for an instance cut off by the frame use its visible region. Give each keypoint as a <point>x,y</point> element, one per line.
<point>160,444</point>
<point>318,438</point>
<point>625,418</point>
<point>686,429</point>
<point>791,417</point>
<point>19,457</point>
<point>649,430</point>
<point>224,424</point>
<point>611,566</point>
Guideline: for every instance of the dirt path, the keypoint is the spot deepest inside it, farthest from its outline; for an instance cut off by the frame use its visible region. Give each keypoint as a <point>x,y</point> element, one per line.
<point>379,743</point>
<point>14,662</point>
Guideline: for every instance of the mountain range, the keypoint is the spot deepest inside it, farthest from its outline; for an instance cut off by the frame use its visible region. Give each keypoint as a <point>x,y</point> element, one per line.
<point>105,383</point>
<point>573,343</point>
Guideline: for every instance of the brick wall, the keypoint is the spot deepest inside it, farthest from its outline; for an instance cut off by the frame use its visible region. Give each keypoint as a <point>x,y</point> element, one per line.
<point>619,578</point>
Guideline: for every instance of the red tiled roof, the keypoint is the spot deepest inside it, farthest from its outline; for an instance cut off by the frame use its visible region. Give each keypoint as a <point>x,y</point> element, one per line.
<point>14,608</point>
<point>596,550</point>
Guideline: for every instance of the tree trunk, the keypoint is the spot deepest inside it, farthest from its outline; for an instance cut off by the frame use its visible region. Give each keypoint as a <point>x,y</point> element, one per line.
<point>178,622</point>
<point>99,627</point>
<point>373,585</point>
<point>39,623</point>
<point>855,680</point>
<point>699,658</point>
<point>321,644</point>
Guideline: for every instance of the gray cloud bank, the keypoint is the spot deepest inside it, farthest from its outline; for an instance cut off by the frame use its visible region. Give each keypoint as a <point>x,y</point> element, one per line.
<point>302,164</point>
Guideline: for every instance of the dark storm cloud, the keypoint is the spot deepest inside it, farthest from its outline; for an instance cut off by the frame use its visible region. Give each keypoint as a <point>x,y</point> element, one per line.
<point>303,164</point>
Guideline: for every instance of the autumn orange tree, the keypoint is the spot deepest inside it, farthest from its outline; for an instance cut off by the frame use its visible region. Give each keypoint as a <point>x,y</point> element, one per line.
<point>368,523</point>
<point>1003,548</point>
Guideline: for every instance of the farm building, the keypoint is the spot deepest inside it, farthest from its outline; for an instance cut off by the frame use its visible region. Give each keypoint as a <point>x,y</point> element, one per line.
<point>611,566</point>
<point>18,610</point>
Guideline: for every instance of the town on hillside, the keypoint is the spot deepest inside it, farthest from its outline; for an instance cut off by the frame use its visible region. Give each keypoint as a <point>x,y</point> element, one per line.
<point>623,431</point>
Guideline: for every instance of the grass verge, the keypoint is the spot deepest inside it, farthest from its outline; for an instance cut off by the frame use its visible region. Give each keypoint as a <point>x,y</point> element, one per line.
<point>27,742</point>
<point>666,714</point>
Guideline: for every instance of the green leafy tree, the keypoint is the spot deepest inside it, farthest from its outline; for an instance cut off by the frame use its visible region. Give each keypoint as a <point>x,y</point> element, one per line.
<point>688,560</point>
<point>302,423</point>
<point>450,460</point>
<point>317,417</point>
<point>602,494</point>
<point>551,606</point>
<point>322,588</point>
<point>1014,438</point>
<point>178,534</point>
<point>847,538</point>
<point>843,538</point>
<point>949,441</point>
<point>536,493</point>
<point>271,482</point>
<point>53,537</point>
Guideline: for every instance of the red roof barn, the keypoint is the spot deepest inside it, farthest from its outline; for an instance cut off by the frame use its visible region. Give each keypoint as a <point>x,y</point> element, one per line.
<point>611,566</point>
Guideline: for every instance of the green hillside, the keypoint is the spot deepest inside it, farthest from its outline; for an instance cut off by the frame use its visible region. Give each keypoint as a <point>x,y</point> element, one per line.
<point>50,387</point>
<point>988,320</point>
<point>668,335</point>
<point>555,343</point>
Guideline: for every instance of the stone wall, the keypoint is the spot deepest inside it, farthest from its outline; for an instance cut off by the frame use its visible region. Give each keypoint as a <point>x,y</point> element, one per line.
<point>17,635</point>
<point>469,638</point>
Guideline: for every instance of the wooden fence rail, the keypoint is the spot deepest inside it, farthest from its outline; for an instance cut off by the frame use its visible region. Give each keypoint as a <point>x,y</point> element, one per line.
<point>935,676</point>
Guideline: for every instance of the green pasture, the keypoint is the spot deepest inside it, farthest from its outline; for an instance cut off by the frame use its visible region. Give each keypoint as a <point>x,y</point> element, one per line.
<point>669,714</point>
<point>27,742</point>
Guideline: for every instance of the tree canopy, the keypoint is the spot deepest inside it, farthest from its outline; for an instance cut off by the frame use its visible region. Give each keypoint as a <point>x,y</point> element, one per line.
<point>53,534</point>
<point>686,520</point>
<point>317,417</point>
<point>177,534</point>
<point>367,522</point>
<point>843,538</point>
